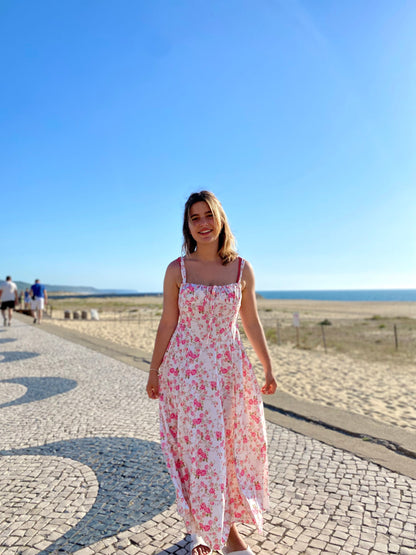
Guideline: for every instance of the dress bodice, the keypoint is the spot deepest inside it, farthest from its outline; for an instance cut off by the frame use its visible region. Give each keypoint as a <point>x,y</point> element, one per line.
<point>207,310</point>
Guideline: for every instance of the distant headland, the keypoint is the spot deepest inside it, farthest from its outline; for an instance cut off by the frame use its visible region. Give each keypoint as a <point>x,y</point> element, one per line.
<point>78,289</point>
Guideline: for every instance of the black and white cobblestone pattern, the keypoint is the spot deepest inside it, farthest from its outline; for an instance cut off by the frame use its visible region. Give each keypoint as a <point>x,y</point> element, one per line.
<point>81,469</point>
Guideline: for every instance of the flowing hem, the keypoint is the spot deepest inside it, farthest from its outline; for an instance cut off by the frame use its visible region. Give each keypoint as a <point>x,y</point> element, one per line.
<point>218,540</point>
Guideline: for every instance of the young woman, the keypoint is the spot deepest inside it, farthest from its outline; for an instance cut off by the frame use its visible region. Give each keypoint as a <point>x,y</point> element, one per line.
<point>211,413</point>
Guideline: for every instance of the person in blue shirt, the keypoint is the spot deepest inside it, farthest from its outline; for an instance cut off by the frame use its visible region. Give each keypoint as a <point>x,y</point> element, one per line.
<point>39,300</point>
<point>27,299</point>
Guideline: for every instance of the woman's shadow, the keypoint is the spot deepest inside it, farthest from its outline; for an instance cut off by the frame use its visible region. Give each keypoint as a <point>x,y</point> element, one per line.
<point>134,486</point>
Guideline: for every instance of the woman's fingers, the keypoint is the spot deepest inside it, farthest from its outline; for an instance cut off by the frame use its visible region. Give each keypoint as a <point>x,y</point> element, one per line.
<point>269,388</point>
<point>152,387</point>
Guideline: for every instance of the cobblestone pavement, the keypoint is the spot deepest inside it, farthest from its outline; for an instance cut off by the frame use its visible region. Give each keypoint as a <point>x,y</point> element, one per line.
<point>81,469</point>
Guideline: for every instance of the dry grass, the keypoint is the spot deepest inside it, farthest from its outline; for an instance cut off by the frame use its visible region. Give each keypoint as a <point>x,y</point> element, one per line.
<point>371,339</point>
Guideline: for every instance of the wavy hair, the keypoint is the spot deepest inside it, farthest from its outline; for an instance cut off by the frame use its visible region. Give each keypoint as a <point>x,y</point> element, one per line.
<point>226,240</point>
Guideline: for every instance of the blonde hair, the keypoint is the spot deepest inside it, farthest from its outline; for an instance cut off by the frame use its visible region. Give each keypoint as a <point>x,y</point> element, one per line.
<point>226,240</point>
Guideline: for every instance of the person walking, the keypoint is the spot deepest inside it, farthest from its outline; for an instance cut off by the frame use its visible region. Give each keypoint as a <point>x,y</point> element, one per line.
<point>39,300</point>
<point>212,424</point>
<point>9,299</point>
<point>27,299</point>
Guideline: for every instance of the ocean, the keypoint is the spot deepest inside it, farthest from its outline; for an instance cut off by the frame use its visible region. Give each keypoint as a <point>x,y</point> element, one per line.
<point>396,295</point>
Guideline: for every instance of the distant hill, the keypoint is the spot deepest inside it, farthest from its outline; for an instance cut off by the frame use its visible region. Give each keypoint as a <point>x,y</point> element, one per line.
<point>22,285</point>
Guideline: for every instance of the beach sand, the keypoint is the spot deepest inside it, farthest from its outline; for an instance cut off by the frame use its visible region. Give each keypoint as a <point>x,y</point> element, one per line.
<point>365,379</point>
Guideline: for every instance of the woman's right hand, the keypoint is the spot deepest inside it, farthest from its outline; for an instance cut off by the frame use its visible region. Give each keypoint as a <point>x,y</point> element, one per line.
<point>152,387</point>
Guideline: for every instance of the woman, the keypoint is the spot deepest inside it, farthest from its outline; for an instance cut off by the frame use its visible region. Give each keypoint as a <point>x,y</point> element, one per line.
<point>211,413</point>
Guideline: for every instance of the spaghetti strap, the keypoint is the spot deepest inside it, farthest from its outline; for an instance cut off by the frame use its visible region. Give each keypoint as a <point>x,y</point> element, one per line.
<point>241,262</point>
<point>183,270</point>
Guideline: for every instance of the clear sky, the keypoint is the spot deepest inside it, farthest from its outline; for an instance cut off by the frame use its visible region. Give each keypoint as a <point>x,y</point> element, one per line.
<point>300,115</point>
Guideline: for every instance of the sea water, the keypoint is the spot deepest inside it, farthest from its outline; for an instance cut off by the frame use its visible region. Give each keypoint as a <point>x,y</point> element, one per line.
<point>344,295</point>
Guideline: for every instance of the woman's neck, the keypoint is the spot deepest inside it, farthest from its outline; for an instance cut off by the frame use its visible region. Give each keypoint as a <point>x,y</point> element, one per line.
<point>207,253</point>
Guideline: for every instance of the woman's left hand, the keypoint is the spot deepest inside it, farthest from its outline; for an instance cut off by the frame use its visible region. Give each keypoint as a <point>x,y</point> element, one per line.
<point>270,385</point>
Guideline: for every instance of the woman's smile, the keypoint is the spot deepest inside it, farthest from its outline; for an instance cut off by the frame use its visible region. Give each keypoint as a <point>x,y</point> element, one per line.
<point>202,223</point>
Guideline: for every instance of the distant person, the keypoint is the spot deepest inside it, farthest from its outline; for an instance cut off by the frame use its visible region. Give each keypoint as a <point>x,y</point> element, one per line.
<point>27,299</point>
<point>9,299</point>
<point>39,300</point>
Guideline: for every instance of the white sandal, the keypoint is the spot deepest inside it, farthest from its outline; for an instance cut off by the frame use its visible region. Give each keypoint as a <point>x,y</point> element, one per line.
<point>198,540</point>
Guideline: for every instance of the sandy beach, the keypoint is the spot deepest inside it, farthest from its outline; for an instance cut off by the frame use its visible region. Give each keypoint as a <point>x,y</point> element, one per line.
<point>362,370</point>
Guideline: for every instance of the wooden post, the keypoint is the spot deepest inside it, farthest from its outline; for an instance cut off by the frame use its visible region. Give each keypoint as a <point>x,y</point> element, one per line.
<point>278,332</point>
<point>396,339</point>
<point>323,336</point>
<point>296,324</point>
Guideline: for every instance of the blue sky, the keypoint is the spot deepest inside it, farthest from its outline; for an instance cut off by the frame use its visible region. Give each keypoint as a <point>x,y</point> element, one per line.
<point>300,115</point>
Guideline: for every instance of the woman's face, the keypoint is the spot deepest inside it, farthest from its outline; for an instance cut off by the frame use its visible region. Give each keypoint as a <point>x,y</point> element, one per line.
<point>202,224</point>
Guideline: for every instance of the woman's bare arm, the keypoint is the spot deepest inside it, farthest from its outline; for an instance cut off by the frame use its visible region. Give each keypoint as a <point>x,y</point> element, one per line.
<point>167,325</point>
<point>254,330</point>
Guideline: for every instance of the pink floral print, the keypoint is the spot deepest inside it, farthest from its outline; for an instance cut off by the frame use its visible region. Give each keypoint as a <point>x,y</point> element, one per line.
<point>211,415</point>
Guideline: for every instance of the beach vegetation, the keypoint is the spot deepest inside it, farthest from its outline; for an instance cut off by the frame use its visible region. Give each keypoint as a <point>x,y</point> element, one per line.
<point>271,335</point>
<point>355,334</point>
<point>370,339</point>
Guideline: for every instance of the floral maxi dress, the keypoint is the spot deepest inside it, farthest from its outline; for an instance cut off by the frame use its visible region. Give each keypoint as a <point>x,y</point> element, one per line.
<point>211,415</point>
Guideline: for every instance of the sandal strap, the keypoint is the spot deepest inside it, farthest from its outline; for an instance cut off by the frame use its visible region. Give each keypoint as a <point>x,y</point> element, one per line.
<point>198,540</point>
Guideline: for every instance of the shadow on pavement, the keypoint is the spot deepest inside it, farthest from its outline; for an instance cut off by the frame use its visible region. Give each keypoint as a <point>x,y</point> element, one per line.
<point>13,356</point>
<point>39,388</point>
<point>182,544</point>
<point>134,486</point>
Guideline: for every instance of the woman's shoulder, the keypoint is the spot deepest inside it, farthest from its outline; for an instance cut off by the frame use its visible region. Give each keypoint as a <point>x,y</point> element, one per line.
<point>173,271</point>
<point>175,263</point>
<point>247,275</point>
<point>174,266</point>
<point>247,265</point>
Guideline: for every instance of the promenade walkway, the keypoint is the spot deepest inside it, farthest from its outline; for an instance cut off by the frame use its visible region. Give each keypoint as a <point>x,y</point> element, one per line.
<point>81,469</point>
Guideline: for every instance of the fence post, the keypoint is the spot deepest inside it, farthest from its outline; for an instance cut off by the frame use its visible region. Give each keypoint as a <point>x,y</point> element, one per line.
<point>323,336</point>
<point>296,324</point>
<point>278,332</point>
<point>396,339</point>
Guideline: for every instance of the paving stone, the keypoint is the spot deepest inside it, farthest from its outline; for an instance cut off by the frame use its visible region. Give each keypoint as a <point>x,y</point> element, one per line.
<point>74,472</point>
